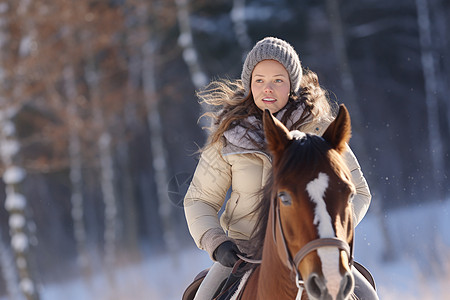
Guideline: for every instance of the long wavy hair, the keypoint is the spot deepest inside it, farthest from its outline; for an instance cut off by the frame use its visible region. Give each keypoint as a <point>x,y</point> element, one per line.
<point>229,106</point>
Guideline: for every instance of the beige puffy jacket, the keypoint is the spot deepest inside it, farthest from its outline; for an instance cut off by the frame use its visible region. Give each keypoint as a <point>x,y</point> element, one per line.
<point>246,172</point>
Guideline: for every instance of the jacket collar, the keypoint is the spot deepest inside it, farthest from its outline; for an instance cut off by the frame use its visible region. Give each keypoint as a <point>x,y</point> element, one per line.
<point>241,139</point>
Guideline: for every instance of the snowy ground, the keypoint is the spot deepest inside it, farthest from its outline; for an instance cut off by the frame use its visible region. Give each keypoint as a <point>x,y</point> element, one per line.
<point>419,267</point>
<point>420,239</point>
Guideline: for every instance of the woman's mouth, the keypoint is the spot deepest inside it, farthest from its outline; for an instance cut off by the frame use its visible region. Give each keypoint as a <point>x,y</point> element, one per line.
<point>268,100</point>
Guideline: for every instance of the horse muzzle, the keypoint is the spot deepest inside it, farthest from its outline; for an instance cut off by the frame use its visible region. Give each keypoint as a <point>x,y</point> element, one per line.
<point>318,289</point>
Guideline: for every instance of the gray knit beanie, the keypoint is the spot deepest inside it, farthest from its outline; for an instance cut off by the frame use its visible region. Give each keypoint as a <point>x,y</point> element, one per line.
<point>276,49</point>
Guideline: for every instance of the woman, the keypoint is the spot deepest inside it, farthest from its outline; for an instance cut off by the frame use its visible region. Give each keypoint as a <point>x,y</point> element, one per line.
<point>234,156</point>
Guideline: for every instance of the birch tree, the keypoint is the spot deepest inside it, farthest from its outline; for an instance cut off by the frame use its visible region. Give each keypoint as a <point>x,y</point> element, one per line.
<point>76,179</point>
<point>111,109</point>
<point>160,162</point>
<point>135,32</point>
<point>70,30</point>
<point>441,41</point>
<point>159,154</point>
<point>186,41</point>
<point>240,26</point>
<point>7,260</point>
<point>431,89</point>
<point>14,173</point>
<point>8,270</point>
<point>16,203</point>
<point>99,48</point>
<point>106,171</point>
<point>340,50</point>
<point>190,54</point>
<point>63,19</point>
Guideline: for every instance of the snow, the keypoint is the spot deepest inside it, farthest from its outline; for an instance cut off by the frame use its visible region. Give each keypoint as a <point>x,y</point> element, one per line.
<point>8,148</point>
<point>190,55</point>
<point>19,242</point>
<point>199,79</point>
<point>8,128</point>
<point>27,285</point>
<point>418,269</point>
<point>238,13</point>
<point>185,39</point>
<point>3,7</point>
<point>25,46</point>
<point>14,175</point>
<point>15,201</point>
<point>420,264</point>
<point>158,278</point>
<point>16,221</point>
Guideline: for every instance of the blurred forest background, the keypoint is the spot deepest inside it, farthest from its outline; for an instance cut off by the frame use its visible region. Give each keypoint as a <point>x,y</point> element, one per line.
<point>99,119</point>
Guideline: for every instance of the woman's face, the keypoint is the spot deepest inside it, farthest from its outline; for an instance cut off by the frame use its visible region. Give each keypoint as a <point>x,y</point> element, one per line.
<point>270,85</point>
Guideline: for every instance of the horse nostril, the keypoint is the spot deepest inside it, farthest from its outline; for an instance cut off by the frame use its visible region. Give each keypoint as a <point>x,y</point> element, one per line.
<point>315,286</point>
<point>347,285</point>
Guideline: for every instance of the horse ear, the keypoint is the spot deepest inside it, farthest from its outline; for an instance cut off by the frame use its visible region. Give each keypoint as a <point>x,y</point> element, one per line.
<point>277,135</point>
<point>339,131</point>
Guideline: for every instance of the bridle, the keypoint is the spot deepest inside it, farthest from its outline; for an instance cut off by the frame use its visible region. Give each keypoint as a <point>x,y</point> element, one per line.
<point>292,262</point>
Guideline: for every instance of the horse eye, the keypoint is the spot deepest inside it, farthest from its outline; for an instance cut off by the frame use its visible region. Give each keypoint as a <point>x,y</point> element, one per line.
<point>285,198</point>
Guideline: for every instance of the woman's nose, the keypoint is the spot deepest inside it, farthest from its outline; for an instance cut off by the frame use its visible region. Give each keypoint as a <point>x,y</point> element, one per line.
<point>268,89</point>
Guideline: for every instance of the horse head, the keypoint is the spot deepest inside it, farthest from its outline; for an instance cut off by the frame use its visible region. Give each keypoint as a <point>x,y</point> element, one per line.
<point>312,211</point>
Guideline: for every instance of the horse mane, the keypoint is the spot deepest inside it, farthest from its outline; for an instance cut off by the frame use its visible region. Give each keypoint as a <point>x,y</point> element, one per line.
<point>302,156</point>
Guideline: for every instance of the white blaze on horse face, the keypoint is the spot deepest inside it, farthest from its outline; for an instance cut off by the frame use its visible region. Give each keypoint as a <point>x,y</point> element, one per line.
<point>329,256</point>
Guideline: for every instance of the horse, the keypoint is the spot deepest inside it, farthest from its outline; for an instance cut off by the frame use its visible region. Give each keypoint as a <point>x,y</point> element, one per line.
<point>305,229</point>
<point>307,224</point>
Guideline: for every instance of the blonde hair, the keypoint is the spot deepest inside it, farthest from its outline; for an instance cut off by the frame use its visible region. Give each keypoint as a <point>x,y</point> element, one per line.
<point>230,106</point>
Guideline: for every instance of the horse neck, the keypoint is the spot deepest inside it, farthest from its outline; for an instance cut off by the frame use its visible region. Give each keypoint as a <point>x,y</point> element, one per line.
<point>275,280</point>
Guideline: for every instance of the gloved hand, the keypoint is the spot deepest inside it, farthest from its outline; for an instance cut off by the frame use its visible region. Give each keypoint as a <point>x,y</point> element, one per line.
<point>225,254</point>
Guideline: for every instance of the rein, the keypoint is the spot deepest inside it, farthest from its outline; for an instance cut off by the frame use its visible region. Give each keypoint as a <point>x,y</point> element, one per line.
<point>249,260</point>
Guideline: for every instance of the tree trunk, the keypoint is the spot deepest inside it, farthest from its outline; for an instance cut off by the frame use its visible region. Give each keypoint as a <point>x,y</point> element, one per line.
<point>106,173</point>
<point>186,41</point>
<point>159,154</point>
<point>347,80</point>
<point>136,39</point>
<point>431,100</point>
<point>16,205</point>
<point>130,217</point>
<point>190,55</point>
<point>442,42</point>
<point>76,179</point>
<point>132,124</point>
<point>21,231</point>
<point>240,26</point>
<point>9,272</point>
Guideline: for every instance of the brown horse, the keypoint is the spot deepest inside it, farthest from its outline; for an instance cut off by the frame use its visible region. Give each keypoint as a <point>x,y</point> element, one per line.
<point>306,230</point>
<point>304,234</point>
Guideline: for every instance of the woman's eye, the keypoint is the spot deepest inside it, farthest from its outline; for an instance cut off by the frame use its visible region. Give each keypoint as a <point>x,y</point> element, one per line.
<point>258,80</point>
<point>285,198</point>
<point>278,80</point>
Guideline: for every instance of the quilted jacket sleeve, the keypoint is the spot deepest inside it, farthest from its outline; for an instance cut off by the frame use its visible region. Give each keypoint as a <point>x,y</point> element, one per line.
<point>363,197</point>
<point>205,197</point>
